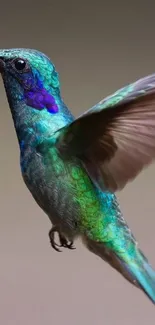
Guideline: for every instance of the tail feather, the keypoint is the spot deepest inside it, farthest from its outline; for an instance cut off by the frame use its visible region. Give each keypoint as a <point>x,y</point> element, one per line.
<point>144,276</point>
<point>136,270</point>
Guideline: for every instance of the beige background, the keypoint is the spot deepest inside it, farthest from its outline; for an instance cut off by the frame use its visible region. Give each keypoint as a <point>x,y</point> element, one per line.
<point>97,47</point>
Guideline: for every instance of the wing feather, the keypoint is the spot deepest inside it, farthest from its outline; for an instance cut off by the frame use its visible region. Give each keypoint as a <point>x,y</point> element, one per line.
<point>116,138</point>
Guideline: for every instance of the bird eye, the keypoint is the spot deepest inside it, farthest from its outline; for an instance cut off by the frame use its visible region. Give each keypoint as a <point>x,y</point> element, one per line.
<point>20,64</point>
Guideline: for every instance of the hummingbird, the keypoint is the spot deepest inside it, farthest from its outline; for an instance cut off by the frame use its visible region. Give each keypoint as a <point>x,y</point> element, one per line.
<point>73,167</point>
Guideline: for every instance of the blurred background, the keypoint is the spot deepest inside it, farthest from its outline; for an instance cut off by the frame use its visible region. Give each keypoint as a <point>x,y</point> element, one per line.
<point>97,47</point>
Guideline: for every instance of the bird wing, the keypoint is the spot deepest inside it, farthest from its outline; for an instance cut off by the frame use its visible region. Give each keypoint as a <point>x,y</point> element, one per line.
<point>115,139</point>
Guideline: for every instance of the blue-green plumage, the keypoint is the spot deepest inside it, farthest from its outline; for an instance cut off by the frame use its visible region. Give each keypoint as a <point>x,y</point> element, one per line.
<point>73,167</point>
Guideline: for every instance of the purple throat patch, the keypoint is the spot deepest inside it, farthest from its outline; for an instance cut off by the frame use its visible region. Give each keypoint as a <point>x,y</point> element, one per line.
<point>41,99</point>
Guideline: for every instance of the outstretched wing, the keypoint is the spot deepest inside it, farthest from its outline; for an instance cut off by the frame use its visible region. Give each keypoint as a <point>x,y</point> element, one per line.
<point>116,138</point>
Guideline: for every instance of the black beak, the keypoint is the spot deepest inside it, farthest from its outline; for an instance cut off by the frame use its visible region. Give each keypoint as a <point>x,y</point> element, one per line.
<point>2,65</point>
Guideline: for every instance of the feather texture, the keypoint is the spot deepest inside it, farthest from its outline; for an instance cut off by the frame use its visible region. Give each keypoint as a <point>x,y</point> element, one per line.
<point>116,138</point>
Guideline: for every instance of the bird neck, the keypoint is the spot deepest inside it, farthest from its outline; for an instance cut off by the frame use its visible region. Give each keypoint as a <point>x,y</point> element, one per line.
<point>33,126</point>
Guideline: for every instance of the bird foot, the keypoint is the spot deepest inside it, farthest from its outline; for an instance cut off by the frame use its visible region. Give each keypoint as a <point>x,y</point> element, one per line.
<point>62,239</point>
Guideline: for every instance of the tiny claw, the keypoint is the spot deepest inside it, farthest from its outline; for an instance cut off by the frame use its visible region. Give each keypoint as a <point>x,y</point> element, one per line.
<point>70,246</point>
<point>52,240</point>
<point>63,241</point>
<point>54,245</point>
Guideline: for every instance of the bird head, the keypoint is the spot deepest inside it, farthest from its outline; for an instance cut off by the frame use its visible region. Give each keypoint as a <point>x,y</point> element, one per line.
<point>33,92</point>
<point>30,77</point>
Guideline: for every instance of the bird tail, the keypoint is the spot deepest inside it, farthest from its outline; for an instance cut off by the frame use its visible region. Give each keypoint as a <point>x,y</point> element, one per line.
<point>134,267</point>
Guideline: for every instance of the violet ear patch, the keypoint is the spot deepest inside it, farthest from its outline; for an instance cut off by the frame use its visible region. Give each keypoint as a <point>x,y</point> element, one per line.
<point>41,99</point>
